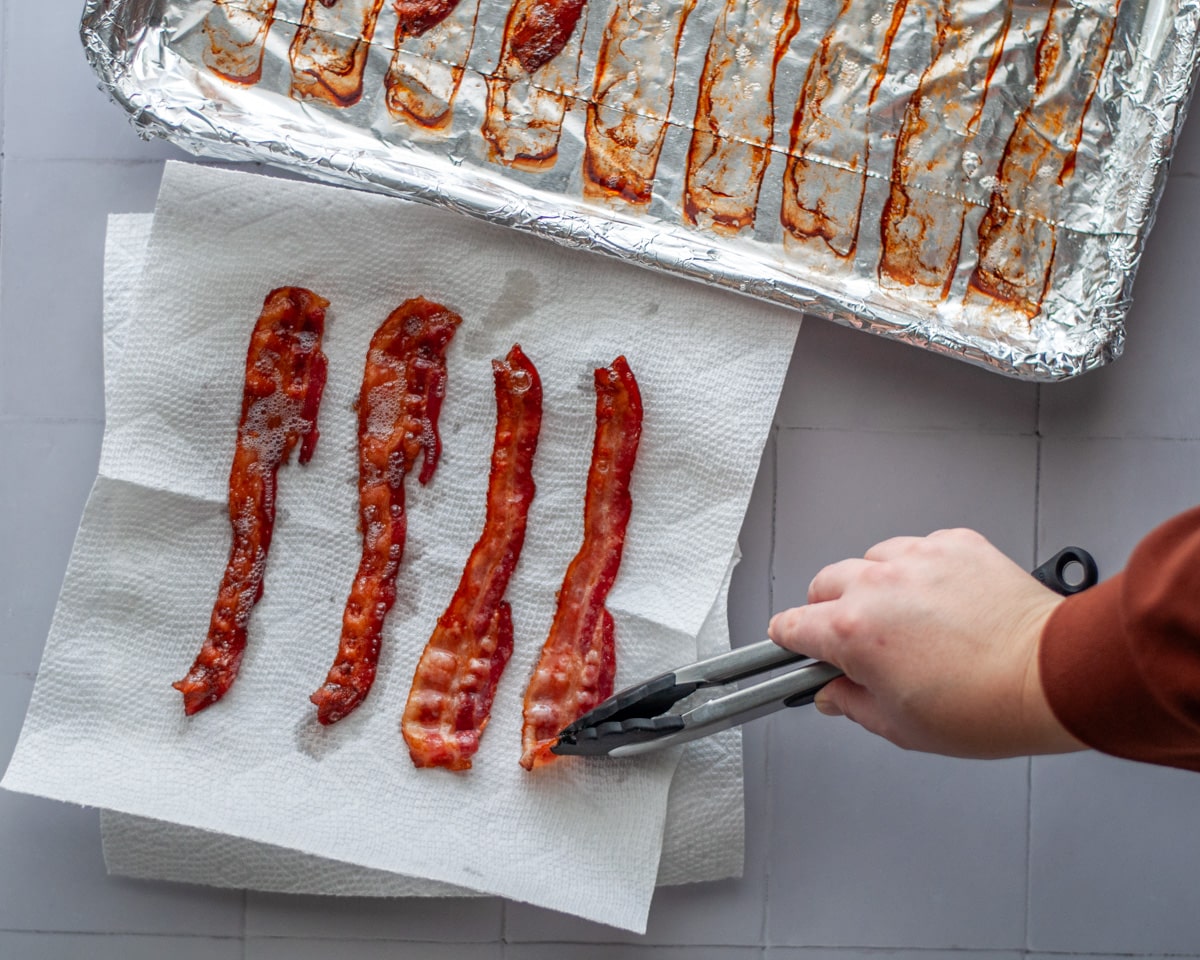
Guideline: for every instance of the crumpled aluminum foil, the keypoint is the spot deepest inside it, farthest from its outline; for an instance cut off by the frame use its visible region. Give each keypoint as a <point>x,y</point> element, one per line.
<point>941,200</point>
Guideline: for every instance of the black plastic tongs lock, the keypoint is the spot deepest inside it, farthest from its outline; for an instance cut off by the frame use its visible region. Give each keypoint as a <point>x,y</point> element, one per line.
<point>636,720</point>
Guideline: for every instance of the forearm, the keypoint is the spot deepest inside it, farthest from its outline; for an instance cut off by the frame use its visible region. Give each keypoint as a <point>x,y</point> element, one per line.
<point>1120,663</point>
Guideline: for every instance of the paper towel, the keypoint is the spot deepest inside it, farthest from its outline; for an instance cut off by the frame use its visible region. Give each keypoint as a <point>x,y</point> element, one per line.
<point>106,729</point>
<point>704,832</point>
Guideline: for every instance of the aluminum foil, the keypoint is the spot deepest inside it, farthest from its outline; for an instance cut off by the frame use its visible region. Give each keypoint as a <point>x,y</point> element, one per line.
<point>975,177</point>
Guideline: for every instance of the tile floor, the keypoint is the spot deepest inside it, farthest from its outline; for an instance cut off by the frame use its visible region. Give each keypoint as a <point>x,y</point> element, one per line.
<point>854,848</point>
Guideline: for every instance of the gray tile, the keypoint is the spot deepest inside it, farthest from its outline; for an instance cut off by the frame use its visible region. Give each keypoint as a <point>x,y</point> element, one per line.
<point>1106,494</point>
<point>1113,844</point>
<point>1151,390</point>
<point>843,953</point>
<point>875,847</point>
<point>872,846</point>
<point>629,951</point>
<point>53,875</point>
<point>51,262</point>
<point>749,592</point>
<point>46,470</point>
<point>1113,856</point>
<point>291,948</point>
<point>854,380</point>
<point>840,492</point>
<point>97,946</point>
<point>53,107</point>
<point>1186,161</point>
<point>459,920</point>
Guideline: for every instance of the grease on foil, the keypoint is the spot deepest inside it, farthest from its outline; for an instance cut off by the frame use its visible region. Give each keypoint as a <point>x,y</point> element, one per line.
<point>976,178</point>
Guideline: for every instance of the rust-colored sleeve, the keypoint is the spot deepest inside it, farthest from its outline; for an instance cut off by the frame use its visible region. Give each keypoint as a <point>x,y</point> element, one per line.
<point>1120,663</point>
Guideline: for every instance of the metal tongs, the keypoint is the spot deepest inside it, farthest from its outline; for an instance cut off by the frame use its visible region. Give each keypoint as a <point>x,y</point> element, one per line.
<point>636,720</point>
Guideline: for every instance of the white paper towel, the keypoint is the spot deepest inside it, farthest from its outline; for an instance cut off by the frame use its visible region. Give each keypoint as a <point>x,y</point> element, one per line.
<point>106,729</point>
<point>704,832</point>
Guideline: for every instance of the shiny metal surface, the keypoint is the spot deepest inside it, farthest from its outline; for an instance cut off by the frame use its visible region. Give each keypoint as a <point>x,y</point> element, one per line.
<point>924,149</point>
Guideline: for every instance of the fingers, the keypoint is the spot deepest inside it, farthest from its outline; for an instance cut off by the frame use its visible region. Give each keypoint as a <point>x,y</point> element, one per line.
<point>808,630</point>
<point>831,582</point>
<point>890,549</point>
<point>845,698</point>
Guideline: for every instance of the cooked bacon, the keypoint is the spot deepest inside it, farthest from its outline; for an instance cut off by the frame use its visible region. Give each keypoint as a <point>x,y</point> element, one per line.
<point>528,94</point>
<point>433,42</point>
<point>414,17</point>
<point>236,31</point>
<point>329,51</point>
<point>631,99</point>
<point>454,684</point>
<point>541,30</point>
<point>403,385</point>
<point>735,117</point>
<point>826,173</point>
<point>285,376</point>
<point>923,215</point>
<point>578,661</point>
<point>1017,235</point>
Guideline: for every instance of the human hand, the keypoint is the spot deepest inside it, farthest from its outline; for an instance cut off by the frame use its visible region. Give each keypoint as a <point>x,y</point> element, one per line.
<point>938,639</point>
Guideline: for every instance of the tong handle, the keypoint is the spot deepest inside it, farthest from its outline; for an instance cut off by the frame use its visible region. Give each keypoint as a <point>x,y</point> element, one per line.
<point>1053,573</point>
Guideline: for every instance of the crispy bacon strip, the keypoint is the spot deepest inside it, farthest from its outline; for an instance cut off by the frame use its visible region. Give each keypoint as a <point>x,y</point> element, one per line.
<point>826,173</point>
<point>528,94</point>
<point>631,100</point>
<point>735,116</point>
<point>433,42</point>
<point>578,661</point>
<point>455,681</point>
<point>237,36</point>
<point>329,51</point>
<point>285,376</point>
<point>1017,234</point>
<point>402,390</point>
<point>923,215</point>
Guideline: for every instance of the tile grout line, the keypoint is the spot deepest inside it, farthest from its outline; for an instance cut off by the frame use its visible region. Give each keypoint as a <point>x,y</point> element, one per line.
<point>769,813</point>
<point>1037,520</point>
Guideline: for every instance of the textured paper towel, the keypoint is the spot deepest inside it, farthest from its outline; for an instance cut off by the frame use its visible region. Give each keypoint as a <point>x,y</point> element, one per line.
<point>104,726</point>
<point>704,832</point>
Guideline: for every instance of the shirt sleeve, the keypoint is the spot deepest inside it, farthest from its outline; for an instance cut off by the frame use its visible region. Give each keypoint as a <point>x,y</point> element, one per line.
<point>1120,663</point>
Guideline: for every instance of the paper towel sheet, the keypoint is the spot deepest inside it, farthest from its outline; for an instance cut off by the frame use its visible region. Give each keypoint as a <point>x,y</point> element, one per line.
<point>704,832</point>
<point>105,728</point>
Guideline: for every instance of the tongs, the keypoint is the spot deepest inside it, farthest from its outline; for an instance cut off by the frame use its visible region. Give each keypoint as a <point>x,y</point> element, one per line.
<point>636,720</point>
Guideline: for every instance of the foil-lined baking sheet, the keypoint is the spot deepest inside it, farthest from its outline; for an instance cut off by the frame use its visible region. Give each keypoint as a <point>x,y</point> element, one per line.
<point>976,177</point>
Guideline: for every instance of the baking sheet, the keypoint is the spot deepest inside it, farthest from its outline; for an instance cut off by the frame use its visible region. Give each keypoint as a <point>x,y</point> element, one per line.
<point>975,178</point>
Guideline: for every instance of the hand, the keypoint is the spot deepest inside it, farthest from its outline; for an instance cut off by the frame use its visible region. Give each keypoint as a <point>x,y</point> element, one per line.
<point>938,638</point>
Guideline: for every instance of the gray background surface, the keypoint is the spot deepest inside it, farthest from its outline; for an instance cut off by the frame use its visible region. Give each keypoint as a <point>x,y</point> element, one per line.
<point>853,846</point>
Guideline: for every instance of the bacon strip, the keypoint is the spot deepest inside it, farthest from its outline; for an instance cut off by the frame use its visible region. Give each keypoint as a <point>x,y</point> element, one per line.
<point>635,82</point>
<point>1017,234</point>
<point>237,36</point>
<point>826,173</point>
<point>433,42</point>
<point>735,115</point>
<point>923,215</point>
<point>402,390</point>
<point>455,681</point>
<point>329,51</point>
<point>285,376</point>
<point>578,661</point>
<point>527,95</point>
